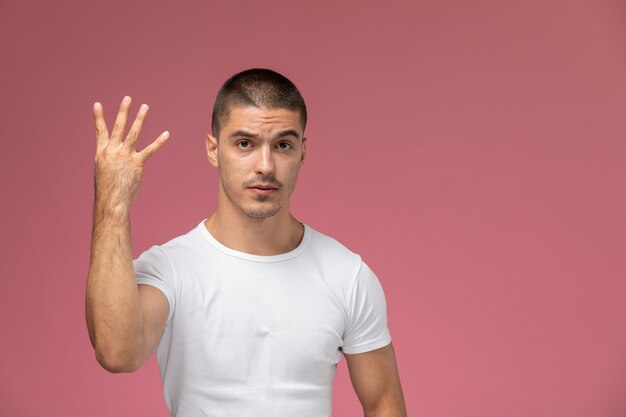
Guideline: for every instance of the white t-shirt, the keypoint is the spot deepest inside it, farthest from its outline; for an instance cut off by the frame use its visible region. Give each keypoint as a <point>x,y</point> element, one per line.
<point>250,335</point>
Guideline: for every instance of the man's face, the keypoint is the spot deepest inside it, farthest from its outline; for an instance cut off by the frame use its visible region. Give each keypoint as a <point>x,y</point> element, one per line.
<point>259,154</point>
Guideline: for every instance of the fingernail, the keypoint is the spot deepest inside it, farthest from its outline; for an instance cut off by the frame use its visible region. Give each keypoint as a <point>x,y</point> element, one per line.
<point>166,134</point>
<point>144,107</point>
<point>96,105</point>
<point>126,100</point>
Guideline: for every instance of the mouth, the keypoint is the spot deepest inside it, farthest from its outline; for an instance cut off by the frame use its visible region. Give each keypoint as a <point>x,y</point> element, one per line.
<point>263,189</point>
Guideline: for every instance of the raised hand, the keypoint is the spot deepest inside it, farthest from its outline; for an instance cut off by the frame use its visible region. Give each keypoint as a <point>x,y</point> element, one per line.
<point>118,166</point>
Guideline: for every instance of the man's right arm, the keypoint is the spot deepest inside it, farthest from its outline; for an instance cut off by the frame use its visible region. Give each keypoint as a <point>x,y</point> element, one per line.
<point>125,320</point>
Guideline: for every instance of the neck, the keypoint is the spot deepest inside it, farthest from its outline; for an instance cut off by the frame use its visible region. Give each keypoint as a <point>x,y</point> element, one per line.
<point>273,235</point>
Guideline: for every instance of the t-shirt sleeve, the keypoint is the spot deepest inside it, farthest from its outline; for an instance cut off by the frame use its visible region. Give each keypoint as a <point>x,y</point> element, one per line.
<point>367,315</point>
<point>153,267</point>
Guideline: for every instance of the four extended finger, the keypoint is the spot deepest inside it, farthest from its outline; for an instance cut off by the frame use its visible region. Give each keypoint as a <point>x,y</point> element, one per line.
<point>120,121</point>
<point>102,134</point>
<point>135,129</point>
<point>151,149</point>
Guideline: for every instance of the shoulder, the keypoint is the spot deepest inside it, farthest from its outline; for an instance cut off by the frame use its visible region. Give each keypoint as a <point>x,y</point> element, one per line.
<point>332,255</point>
<point>327,244</point>
<point>180,246</point>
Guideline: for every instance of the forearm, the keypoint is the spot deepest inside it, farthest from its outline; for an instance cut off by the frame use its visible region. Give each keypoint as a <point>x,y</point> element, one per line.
<point>114,317</point>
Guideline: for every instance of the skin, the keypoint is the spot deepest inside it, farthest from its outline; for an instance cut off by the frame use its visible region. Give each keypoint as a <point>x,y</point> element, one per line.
<point>257,148</point>
<point>259,154</point>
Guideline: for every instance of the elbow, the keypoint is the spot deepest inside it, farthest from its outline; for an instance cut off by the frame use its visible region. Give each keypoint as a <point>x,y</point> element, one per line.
<point>117,362</point>
<point>395,408</point>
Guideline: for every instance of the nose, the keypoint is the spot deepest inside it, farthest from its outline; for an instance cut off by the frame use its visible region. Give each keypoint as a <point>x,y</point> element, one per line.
<point>264,161</point>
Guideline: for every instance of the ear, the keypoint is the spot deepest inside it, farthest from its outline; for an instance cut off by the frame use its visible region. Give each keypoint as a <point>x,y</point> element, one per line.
<point>303,151</point>
<point>211,150</point>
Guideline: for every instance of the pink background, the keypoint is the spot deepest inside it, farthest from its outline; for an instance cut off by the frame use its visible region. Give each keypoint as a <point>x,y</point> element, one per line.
<point>472,152</point>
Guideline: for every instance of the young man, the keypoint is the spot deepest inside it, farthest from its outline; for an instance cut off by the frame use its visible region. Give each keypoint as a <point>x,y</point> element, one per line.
<point>251,310</point>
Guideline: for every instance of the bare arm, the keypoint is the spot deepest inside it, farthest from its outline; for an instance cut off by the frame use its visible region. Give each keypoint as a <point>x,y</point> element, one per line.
<point>125,321</point>
<point>375,379</point>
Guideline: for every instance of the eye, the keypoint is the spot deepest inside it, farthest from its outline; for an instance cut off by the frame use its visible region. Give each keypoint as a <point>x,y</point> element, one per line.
<point>284,145</point>
<point>243,144</point>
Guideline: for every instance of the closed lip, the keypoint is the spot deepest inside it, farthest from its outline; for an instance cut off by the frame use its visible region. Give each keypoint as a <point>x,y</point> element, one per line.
<point>264,187</point>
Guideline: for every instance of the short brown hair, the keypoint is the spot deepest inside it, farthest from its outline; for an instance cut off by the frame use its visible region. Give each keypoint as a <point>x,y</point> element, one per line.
<point>258,87</point>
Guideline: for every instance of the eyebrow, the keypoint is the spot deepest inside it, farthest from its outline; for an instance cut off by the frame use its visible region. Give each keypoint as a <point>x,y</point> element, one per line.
<point>244,134</point>
<point>281,134</point>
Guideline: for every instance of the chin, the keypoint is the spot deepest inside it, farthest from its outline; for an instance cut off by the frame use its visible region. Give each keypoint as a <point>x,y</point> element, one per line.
<point>261,212</point>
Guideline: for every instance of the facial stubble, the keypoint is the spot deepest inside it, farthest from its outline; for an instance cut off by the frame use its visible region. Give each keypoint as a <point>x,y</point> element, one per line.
<point>256,212</point>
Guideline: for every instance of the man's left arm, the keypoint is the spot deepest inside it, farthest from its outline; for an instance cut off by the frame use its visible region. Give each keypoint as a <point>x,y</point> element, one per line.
<point>375,379</point>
